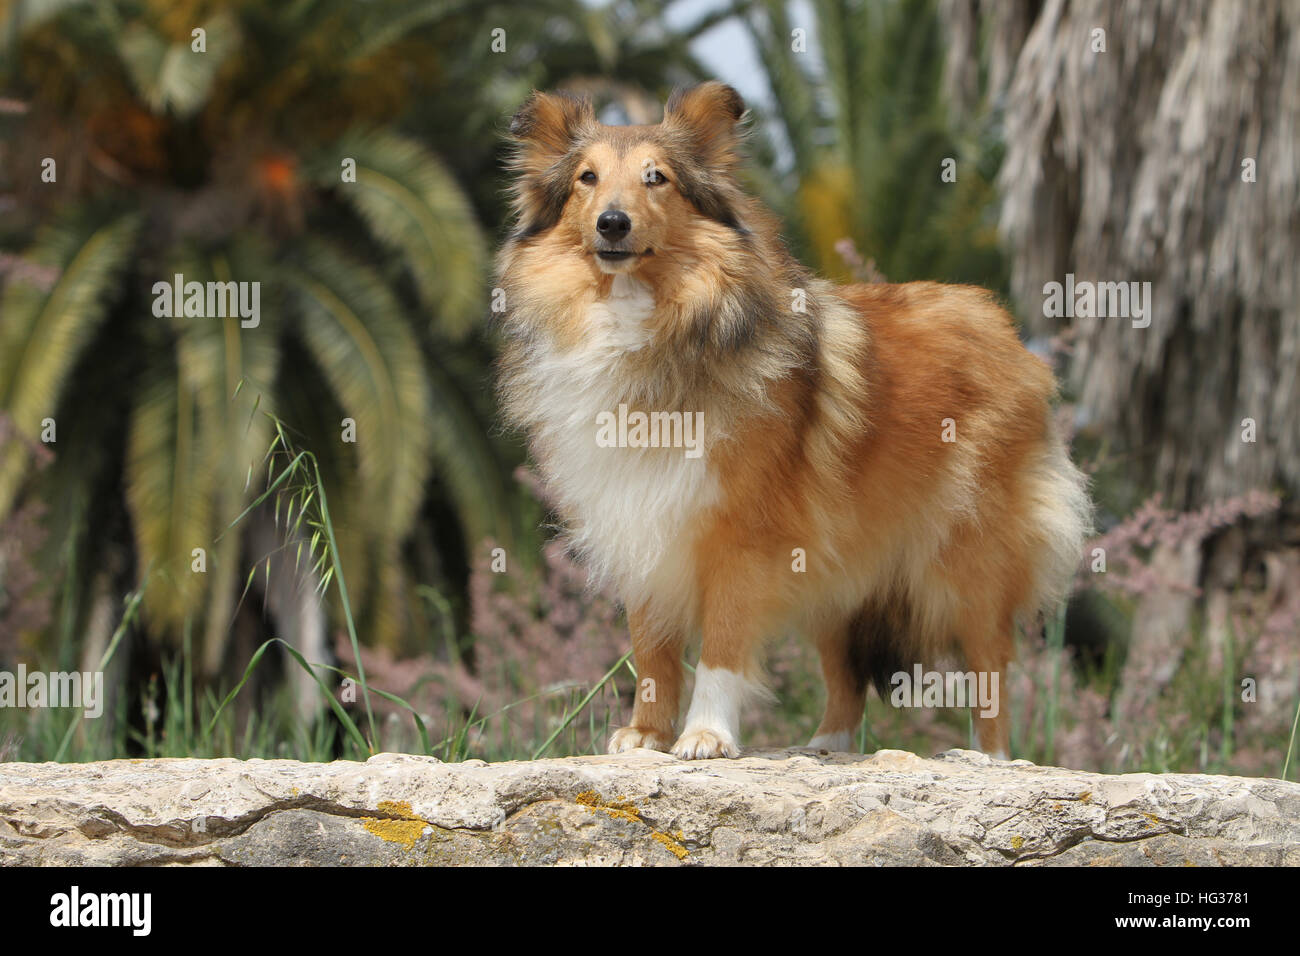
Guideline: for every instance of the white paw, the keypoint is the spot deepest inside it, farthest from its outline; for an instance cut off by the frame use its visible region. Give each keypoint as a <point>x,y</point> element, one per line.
<point>703,744</point>
<point>630,738</point>
<point>839,742</point>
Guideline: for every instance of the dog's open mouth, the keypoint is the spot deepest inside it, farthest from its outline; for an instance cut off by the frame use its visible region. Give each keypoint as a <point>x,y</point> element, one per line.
<point>618,255</point>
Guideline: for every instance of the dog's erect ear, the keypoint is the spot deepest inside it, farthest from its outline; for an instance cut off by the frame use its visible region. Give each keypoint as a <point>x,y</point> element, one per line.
<point>544,130</point>
<point>548,123</point>
<point>711,113</point>
<point>703,122</point>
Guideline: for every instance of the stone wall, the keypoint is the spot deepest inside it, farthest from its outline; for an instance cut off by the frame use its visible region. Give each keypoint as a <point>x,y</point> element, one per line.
<point>769,807</point>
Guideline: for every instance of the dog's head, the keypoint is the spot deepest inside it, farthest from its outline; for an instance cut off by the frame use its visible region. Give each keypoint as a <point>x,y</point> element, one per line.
<point>630,198</point>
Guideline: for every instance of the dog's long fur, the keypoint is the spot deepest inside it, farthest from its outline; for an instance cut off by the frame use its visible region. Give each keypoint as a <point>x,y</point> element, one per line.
<point>824,411</point>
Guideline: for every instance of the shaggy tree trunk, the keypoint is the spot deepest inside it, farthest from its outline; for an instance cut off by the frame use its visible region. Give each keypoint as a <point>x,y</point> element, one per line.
<point>1169,157</point>
<point>1130,165</point>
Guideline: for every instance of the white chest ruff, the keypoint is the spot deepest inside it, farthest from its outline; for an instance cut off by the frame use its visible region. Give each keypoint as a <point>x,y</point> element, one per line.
<point>632,511</point>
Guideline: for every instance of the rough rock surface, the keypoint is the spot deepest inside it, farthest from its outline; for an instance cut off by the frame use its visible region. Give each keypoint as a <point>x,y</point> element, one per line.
<point>769,807</point>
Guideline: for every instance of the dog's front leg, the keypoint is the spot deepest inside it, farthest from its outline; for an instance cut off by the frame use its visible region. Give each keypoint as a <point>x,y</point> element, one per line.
<point>726,678</point>
<point>657,653</point>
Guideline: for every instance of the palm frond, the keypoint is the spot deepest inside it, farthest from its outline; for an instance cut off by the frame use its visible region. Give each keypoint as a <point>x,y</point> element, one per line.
<point>231,372</point>
<point>480,483</point>
<point>43,329</point>
<point>413,204</point>
<point>173,76</point>
<point>355,329</point>
<point>169,490</point>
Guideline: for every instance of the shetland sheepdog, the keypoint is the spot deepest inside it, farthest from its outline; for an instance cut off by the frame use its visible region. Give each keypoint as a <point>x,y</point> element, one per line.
<point>874,466</point>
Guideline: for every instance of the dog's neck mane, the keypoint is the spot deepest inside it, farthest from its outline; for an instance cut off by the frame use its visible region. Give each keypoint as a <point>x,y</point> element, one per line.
<point>733,344</point>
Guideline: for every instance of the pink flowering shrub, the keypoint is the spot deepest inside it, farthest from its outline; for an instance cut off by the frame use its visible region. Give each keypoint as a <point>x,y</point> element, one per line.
<point>1128,546</point>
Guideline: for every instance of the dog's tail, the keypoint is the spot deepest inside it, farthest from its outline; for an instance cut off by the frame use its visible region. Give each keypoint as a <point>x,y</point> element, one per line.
<point>1057,494</point>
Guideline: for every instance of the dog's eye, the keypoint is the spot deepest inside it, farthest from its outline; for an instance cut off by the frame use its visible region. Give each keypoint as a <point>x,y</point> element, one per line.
<point>655,178</point>
<point>588,177</point>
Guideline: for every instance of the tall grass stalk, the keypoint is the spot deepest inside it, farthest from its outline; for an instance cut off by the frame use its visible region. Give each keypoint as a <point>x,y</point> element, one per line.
<point>1229,692</point>
<point>1056,649</point>
<point>128,616</point>
<point>305,490</point>
<point>570,715</point>
<point>1286,765</point>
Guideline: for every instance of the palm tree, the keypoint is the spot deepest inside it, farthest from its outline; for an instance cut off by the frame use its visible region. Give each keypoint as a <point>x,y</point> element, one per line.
<point>287,145</point>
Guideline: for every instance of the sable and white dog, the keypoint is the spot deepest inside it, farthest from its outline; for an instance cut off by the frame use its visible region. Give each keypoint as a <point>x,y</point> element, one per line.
<point>876,466</point>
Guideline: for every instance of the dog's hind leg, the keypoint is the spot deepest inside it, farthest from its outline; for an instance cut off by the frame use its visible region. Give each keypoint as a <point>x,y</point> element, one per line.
<point>987,646</point>
<point>843,668</point>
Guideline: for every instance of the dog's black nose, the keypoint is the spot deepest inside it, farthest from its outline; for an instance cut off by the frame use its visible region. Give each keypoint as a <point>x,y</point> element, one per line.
<point>613,225</point>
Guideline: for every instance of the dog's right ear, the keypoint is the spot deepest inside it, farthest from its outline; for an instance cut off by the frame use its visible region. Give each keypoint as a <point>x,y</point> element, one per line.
<point>544,131</point>
<point>546,126</point>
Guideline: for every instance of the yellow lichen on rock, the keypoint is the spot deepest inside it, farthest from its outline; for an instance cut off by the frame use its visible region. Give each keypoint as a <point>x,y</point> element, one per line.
<point>675,848</point>
<point>619,811</point>
<point>406,830</point>
<point>624,810</point>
